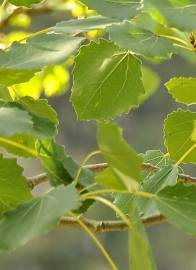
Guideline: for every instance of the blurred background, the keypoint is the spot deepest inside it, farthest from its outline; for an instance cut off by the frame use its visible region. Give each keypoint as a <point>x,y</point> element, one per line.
<point>72,249</point>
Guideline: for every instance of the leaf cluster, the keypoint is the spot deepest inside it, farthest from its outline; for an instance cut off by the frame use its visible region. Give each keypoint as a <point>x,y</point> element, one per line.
<point>109,79</point>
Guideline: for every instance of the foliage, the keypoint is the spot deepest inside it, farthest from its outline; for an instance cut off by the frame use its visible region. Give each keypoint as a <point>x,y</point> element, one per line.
<point>106,49</point>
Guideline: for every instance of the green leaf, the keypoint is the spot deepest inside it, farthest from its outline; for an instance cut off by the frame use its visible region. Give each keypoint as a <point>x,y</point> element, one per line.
<point>21,117</point>
<point>114,88</point>
<point>25,3</point>
<point>20,145</point>
<point>20,62</point>
<point>23,122</point>
<point>179,3</point>
<point>155,158</point>
<point>40,108</point>
<point>13,185</point>
<point>193,135</point>
<point>141,39</point>
<point>124,202</point>
<point>108,179</point>
<point>9,76</point>
<point>60,167</point>
<point>151,81</point>
<point>122,9</point>
<point>178,128</point>
<point>183,89</point>
<point>140,253</point>
<point>188,55</point>
<point>124,162</point>
<point>37,216</point>
<point>167,175</point>
<point>181,15</point>
<point>178,205</point>
<point>4,93</point>
<point>14,119</point>
<point>83,25</point>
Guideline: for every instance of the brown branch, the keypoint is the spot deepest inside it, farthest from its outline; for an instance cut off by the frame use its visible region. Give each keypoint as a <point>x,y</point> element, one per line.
<point>41,178</point>
<point>37,180</point>
<point>107,225</point>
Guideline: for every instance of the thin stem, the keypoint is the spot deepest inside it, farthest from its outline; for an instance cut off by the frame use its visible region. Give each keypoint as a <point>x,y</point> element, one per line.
<point>114,208</point>
<point>101,191</point>
<point>136,193</point>
<point>88,187</point>
<point>144,194</point>
<point>43,31</point>
<point>186,154</point>
<point>176,39</point>
<point>184,47</point>
<point>18,145</point>
<point>87,158</point>
<point>97,242</point>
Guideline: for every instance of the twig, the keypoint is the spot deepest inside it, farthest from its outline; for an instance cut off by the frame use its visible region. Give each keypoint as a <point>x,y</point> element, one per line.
<point>107,225</point>
<point>37,180</point>
<point>41,178</point>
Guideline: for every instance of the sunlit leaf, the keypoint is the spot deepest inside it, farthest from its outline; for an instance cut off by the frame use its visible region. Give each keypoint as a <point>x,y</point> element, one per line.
<point>115,88</point>
<point>21,61</point>
<point>183,89</point>
<point>178,128</point>
<point>151,81</point>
